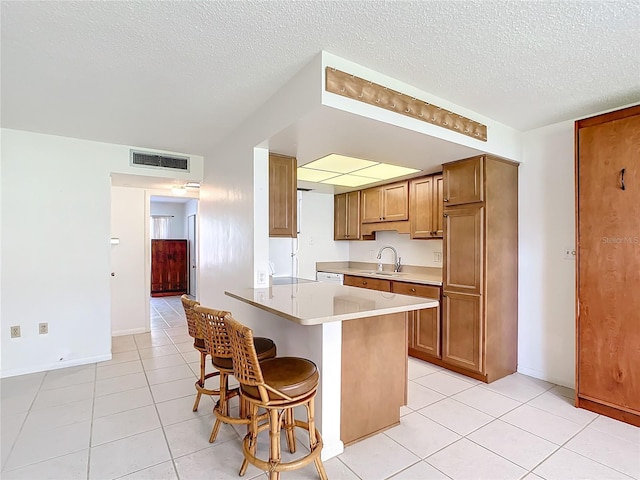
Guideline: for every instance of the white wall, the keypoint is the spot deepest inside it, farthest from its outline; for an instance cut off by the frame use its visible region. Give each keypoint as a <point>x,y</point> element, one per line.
<point>412,252</point>
<point>178,220</point>
<point>56,249</point>
<point>315,241</point>
<point>546,315</point>
<point>129,291</point>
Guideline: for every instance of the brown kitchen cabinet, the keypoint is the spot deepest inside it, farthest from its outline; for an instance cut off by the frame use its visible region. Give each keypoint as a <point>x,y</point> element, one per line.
<point>169,271</point>
<point>283,207</point>
<point>346,216</point>
<point>424,325</point>
<point>425,206</point>
<point>607,264</point>
<point>365,282</point>
<point>480,267</point>
<point>386,203</point>
<point>464,181</point>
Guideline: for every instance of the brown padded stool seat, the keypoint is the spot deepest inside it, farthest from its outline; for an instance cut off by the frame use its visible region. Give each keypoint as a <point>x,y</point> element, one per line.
<point>292,376</point>
<point>265,348</point>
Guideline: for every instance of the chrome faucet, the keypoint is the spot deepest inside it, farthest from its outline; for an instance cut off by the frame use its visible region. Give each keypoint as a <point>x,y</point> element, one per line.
<point>396,258</point>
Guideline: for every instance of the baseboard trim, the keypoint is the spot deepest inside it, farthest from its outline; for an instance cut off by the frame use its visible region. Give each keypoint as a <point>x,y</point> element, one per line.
<point>540,375</point>
<point>131,331</point>
<point>55,366</point>
<point>331,449</point>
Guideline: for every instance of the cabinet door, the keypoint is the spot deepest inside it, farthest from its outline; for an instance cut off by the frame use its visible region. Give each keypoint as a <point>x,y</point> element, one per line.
<point>158,266</point>
<point>177,266</point>
<point>370,283</point>
<point>283,211</point>
<point>395,202</point>
<point>462,330</point>
<point>608,322</point>
<point>425,324</point>
<point>463,181</point>
<point>371,205</point>
<point>437,206</point>
<point>340,214</point>
<point>420,208</point>
<point>463,242</point>
<point>353,215</point>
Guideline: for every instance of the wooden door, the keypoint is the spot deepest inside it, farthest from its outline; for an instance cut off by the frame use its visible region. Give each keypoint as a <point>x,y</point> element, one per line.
<point>177,266</point>
<point>463,181</point>
<point>395,202</point>
<point>437,206</point>
<point>462,248</point>
<point>608,277</point>
<point>371,205</point>
<point>159,266</point>
<point>340,215</point>
<point>420,207</point>
<point>283,206</point>
<point>462,330</point>
<point>353,215</point>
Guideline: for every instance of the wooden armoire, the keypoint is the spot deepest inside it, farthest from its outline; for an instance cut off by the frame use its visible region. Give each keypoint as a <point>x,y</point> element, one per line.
<point>608,264</point>
<point>169,272</point>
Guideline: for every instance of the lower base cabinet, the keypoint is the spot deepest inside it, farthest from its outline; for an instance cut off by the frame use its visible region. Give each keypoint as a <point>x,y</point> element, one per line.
<point>462,331</point>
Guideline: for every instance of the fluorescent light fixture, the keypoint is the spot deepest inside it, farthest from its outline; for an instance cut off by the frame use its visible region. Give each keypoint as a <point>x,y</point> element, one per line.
<point>192,185</point>
<point>349,171</point>
<point>350,180</point>
<point>339,164</point>
<point>178,189</point>
<point>383,171</point>
<point>311,175</point>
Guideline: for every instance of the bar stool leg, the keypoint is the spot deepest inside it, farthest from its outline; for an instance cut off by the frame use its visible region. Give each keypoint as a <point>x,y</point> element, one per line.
<point>222,406</point>
<point>313,440</point>
<point>253,435</point>
<point>203,359</point>
<point>274,443</point>
<point>289,425</point>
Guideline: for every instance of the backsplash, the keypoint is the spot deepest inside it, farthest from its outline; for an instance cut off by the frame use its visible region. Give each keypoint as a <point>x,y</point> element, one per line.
<point>412,252</point>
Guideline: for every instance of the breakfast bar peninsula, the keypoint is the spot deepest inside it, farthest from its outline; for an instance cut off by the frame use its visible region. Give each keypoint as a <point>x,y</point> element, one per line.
<point>360,346</point>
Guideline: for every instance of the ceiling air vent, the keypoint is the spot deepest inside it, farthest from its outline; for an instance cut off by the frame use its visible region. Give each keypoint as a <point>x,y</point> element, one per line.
<point>169,162</point>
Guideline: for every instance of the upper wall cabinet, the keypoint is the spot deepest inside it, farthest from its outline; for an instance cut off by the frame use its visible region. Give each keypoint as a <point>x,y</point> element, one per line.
<point>283,212</point>
<point>425,206</point>
<point>386,203</point>
<point>346,216</point>
<point>464,182</point>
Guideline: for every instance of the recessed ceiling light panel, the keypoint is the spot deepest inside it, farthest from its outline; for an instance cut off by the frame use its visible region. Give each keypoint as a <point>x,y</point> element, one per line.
<point>350,181</point>
<point>384,171</point>
<point>311,175</point>
<point>339,163</point>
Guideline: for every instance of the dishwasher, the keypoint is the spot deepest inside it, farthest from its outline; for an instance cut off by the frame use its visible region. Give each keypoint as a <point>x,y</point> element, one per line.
<point>328,277</point>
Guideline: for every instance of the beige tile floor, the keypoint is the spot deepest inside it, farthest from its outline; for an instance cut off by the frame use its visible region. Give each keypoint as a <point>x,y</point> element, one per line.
<point>131,418</point>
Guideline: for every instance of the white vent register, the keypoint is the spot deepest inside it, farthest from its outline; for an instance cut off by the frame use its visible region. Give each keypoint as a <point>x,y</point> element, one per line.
<point>159,161</point>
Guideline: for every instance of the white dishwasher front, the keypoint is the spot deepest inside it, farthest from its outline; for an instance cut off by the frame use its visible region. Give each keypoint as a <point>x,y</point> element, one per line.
<point>329,277</point>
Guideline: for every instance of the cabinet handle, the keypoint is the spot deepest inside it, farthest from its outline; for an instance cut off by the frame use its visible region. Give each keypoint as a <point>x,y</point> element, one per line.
<point>413,290</point>
<point>445,215</point>
<point>364,283</point>
<point>622,178</point>
<point>445,199</point>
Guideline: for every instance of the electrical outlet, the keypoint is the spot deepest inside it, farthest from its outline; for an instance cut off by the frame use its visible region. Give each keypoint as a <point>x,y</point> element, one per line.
<point>43,328</point>
<point>15,331</point>
<point>569,253</point>
<point>372,254</point>
<point>437,257</point>
<point>262,277</point>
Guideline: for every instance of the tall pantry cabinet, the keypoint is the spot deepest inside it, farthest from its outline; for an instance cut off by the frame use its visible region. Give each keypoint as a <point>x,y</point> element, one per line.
<point>480,270</point>
<point>608,264</point>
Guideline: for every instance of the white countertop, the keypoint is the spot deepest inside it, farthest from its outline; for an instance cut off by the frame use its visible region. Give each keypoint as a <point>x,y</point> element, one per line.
<point>411,274</point>
<point>317,303</point>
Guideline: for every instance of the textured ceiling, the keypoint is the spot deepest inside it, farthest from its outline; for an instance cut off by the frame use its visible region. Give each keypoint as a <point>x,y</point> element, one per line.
<point>181,75</point>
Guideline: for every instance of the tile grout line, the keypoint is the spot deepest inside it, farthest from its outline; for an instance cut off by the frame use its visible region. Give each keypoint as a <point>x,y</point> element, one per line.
<point>93,406</point>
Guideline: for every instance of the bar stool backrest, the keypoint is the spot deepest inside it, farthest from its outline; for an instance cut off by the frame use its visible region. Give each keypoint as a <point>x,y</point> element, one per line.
<point>246,367</point>
<point>193,323</point>
<point>216,338</point>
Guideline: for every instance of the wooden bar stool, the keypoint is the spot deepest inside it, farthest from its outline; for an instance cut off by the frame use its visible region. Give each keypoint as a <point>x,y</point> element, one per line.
<point>218,346</point>
<point>196,331</point>
<point>277,385</point>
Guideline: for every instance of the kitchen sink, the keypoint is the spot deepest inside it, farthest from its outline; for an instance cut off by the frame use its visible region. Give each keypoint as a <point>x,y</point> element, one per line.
<point>385,274</point>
